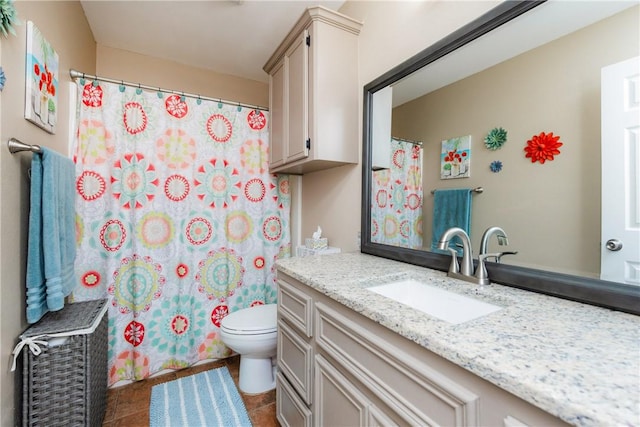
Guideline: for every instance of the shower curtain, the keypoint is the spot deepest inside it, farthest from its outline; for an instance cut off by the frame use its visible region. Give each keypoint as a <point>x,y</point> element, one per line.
<point>396,211</point>
<point>178,223</point>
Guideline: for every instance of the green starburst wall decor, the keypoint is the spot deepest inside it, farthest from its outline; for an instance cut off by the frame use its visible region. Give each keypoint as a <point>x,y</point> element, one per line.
<point>495,138</point>
<point>8,17</point>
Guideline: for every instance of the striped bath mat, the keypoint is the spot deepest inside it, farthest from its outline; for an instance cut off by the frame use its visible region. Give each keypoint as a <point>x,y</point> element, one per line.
<point>207,399</point>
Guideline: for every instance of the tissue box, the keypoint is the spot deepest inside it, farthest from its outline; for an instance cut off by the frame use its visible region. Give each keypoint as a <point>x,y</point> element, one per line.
<point>303,251</point>
<point>312,243</point>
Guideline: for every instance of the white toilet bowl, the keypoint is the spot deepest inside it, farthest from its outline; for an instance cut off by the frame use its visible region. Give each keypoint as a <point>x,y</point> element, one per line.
<point>252,333</point>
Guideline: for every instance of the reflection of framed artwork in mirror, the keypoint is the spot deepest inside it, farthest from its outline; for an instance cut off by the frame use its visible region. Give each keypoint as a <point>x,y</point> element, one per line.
<point>455,158</point>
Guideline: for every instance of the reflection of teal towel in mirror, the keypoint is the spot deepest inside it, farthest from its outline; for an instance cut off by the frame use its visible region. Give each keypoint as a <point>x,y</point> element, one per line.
<point>52,234</point>
<point>451,208</point>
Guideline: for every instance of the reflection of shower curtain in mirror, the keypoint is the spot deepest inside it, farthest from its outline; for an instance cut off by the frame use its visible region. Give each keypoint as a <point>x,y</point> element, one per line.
<point>396,211</point>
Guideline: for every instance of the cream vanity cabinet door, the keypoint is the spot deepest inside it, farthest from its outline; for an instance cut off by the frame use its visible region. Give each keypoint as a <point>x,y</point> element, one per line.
<point>291,411</point>
<point>297,63</point>
<point>341,403</point>
<point>294,380</point>
<point>288,103</point>
<point>313,94</point>
<point>277,109</point>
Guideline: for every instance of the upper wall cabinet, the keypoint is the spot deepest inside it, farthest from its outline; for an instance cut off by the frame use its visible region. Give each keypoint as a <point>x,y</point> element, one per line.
<point>313,94</point>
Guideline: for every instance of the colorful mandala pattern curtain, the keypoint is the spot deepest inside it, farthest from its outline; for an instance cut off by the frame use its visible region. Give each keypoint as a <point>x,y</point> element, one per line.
<point>178,221</point>
<point>396,211</point>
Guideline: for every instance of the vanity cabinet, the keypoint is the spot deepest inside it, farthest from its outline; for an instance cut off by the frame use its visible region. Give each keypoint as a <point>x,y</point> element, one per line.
<point>294,356</point>
<point>337,367</point>
<point>313,94</point>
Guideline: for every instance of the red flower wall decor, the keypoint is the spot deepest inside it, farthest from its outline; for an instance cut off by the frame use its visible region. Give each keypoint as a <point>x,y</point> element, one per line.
<point>543,147</point>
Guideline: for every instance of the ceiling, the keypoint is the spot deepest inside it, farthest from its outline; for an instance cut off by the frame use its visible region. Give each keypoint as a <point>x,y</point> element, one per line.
<point>234,37</point>
<point>557,17</point>
<point>237,37</point>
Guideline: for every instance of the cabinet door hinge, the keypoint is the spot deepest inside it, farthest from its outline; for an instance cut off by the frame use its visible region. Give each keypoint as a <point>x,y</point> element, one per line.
<point>308,143</point>
<point>308,41</point>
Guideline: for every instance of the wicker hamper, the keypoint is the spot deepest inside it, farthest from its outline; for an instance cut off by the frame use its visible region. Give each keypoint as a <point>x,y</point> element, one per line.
<point>66,384</point>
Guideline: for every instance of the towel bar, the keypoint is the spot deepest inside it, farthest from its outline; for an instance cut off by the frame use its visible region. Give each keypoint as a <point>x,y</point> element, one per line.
<point>16,146</point>
<point>473,190</point>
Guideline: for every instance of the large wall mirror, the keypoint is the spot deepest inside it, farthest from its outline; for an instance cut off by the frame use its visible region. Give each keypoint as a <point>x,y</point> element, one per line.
<point>526,67</point>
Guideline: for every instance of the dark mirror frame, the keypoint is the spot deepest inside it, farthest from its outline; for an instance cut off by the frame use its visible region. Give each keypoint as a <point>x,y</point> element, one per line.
<point>607,294</point>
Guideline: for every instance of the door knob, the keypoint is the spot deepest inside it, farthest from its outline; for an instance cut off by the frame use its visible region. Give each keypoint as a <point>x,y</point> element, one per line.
<point>614,245</point>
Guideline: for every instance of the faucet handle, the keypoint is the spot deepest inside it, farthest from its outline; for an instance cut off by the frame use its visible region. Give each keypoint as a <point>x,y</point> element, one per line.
<point>481,270</point>
<point>454,267</point>
<point>501,254</point>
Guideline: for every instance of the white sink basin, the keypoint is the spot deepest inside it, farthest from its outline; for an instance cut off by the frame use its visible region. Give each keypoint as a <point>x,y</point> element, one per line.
<point>448,306</point>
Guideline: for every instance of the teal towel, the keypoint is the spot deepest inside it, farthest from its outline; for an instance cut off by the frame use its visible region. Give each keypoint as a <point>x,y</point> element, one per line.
<point>51,245</point>
<point>451,208</point>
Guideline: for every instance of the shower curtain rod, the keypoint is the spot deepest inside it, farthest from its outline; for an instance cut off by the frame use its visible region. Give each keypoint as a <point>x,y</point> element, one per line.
<point>419,143</point>
<point>75,74</point>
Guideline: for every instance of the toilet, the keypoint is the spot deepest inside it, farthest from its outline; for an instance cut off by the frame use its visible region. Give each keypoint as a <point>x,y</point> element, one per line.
<point>252,333</point>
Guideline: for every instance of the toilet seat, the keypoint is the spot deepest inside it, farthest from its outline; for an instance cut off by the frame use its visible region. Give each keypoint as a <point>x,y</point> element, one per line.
<point>256,320</point>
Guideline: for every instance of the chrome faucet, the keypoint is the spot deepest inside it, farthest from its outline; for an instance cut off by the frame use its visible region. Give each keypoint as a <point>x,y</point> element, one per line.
<point>465,271</point>
<point>500,234</point>
<point>481,270</point>
<point>502,241</point>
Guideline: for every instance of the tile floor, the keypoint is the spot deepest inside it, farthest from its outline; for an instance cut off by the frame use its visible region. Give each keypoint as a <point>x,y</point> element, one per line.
<point>128,406</point>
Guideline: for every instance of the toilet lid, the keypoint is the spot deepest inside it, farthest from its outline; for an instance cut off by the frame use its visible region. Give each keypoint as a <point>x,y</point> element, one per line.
<point>259,319</point>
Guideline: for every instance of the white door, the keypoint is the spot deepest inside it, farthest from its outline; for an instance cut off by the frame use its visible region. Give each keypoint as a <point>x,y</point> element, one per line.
<point>620,252</point>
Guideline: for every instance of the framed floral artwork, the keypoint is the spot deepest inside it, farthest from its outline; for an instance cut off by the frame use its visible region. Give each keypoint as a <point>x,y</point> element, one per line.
<point>41,102</point>
<point>455,158</point>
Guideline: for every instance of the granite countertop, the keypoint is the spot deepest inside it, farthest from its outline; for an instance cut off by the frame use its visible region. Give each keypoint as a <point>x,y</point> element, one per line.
<point>578,362</point>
